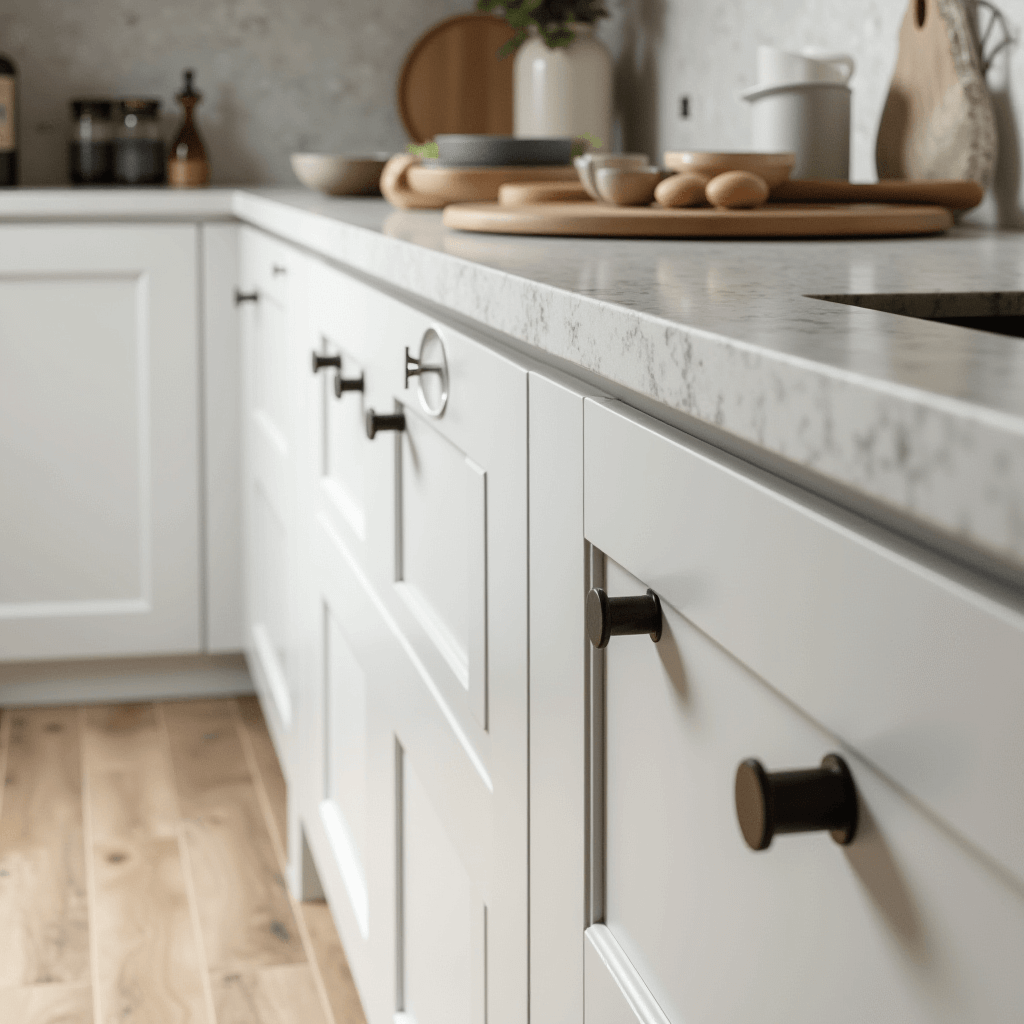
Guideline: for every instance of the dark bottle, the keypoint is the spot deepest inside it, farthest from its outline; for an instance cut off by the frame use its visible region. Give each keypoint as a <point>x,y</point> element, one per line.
<point>8,122</point>
<point>187,166</point>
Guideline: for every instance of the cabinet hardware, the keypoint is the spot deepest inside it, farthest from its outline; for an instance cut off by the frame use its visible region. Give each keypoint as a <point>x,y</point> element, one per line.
<point>622,616</point>
<point>414,368</point>
<point>806,800</point>
<point>277,270</point>
<point>241,297</point>
<point>376,421</point>
<point>319,362</point>
<point>343,384</point>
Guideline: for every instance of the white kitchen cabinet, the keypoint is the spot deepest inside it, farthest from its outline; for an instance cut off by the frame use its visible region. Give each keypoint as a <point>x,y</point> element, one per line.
<point>761,655</point>
<point>271,299</point>
<point>99,441</point>
<point>418,818</point>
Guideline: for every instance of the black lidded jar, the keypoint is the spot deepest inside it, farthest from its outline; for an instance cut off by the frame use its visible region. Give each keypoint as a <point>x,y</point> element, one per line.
<point>138,143</point>
<point>91,147</point>
<point>8,122</point>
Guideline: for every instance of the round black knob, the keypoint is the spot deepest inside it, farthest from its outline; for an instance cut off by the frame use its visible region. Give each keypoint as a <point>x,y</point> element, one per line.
<point>319,362</point>
<point>343,384</point>
<point>622,616</point>
<point>809,800</point>
<point>241,297</point>
<point>376,422</point>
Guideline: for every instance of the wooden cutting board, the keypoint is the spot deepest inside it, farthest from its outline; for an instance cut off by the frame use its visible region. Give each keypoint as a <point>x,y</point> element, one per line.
<point>453,81</point>
<point>776,220</point>
<point>954,195</point>
<point>938,120</point>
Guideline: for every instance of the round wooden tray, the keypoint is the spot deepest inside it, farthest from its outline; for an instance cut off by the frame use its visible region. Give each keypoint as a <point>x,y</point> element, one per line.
<point>775,220</point>
<point>453,80</point>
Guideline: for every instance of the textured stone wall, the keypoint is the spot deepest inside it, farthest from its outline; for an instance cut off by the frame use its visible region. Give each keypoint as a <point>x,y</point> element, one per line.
<point>277,75</point>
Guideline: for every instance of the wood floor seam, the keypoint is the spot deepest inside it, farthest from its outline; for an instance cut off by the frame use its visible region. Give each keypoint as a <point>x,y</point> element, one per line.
<point>186,865</point>
<point>90,871</point>
<point>5,742</point>
<point>281,844</point>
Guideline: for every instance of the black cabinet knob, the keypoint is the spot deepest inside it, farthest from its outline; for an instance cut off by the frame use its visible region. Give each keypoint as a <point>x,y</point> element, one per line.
<point>376,422</point>
<point>343,384</point>
<point>277,270</point>
<point>241,297</point>
<point>622,616</point>
<point>319,362</point>
<point>809,800</point>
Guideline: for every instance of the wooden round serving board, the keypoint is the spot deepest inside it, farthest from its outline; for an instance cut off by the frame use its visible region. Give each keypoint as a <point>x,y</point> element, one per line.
<point>775,220</point>
<point>453,80</point>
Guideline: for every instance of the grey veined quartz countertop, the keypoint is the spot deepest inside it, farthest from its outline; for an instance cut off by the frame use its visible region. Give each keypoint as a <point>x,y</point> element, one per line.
<point>921,418</point>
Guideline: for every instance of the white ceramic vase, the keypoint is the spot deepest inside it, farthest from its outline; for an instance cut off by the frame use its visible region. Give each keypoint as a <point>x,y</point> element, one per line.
<point>564,91</point>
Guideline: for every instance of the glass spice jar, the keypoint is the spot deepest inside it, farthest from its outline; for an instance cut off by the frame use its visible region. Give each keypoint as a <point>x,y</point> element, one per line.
<point>138,143</point>
<point>91,145</point>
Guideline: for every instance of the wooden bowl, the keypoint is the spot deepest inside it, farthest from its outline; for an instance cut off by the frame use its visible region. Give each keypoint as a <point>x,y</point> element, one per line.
<point>774,168</point>
<point>339,175</point>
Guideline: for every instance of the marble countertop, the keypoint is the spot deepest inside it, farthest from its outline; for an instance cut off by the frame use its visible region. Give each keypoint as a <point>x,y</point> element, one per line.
<point>921,418</point>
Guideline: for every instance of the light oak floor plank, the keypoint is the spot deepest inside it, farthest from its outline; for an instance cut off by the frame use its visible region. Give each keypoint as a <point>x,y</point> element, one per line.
<point>266,763</point>
<point>332,963</point>
<point>43,900</point>
<point>243,905</point>
<point>46,1004</point>
<point>149,966</point>
<point>131,782</point>
<point>271,995</point>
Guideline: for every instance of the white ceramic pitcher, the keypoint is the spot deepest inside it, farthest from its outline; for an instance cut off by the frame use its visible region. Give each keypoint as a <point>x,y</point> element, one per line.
<point>782,67</point>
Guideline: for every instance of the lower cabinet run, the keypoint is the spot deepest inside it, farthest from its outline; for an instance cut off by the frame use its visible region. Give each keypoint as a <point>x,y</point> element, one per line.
<point>534,664</point>
<point>403,645</point>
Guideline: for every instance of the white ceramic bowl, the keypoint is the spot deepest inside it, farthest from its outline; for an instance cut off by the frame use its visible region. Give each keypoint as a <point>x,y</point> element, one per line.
<point>587,165</point>
<point>628,186</point>
<point>340,175</point>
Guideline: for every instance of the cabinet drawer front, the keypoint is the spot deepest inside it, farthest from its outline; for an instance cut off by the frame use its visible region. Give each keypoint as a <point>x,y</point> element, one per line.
<point>902,924</point>
<point>918,672</point>
<point>272,267</point>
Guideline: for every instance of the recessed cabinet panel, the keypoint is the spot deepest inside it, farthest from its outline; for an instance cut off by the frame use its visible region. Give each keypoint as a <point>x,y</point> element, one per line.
<point>345,701</point>
<point>99,441</point>
<point>443,548</point>
<point>901,925</point>
<point>270,360</point>
<point>72,522</point>
<point>270,594</point>
<point>442,940</point>
<point>344,446</point>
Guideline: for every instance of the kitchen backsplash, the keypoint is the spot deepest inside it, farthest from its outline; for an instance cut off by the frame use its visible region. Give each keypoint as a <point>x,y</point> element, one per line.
<point>283,75</point>
<point>276,75</point>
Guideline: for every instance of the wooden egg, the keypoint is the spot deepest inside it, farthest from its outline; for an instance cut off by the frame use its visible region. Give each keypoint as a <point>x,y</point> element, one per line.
<point>736,190</point>
<point>686,189</point>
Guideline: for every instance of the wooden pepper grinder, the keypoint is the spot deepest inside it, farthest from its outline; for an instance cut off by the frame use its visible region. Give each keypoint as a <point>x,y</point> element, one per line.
<point>187,166</point>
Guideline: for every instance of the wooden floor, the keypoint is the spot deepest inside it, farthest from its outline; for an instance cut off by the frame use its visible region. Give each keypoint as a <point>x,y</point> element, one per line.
<point>142,873</point>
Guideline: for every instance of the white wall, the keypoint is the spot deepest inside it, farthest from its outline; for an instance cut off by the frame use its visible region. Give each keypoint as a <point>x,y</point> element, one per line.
<point>277,75</point>
<point>705,49</point>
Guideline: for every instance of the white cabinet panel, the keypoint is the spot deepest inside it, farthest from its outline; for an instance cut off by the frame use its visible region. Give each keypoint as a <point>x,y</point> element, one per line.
<point>222,426</point>
<point>99,463</point>
<point>272,331</point>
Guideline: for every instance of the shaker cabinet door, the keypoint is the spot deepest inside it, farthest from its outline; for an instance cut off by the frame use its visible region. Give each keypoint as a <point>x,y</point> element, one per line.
<point>271,308</point>
<point>99,467</point>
